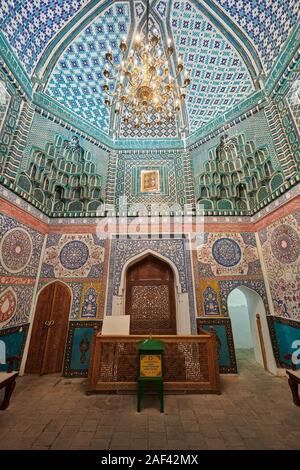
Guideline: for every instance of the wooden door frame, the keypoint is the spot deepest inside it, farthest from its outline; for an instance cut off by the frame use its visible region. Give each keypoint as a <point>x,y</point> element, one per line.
<point>183,312</point>
<point>158,282</point>
<point>28,339</point>
<point>136,259</point>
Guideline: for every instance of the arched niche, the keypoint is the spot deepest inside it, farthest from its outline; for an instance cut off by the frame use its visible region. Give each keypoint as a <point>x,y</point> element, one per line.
<point>183,321</point>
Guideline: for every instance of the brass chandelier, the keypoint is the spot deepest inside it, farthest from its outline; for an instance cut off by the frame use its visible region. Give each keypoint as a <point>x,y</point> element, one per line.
<point>143,82</point>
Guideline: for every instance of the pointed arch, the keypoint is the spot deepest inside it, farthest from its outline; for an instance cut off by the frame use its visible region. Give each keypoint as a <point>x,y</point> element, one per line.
<point>259,326</point>
<point>135,259</point>
<point>183,314</point>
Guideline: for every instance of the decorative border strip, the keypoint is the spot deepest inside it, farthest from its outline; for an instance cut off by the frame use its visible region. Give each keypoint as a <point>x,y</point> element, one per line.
<point>8,193</point>
<point>232,368</point>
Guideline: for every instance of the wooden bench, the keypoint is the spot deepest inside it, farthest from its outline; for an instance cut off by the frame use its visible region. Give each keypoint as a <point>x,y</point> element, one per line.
<point>294,381</point>
<point>7,381</point>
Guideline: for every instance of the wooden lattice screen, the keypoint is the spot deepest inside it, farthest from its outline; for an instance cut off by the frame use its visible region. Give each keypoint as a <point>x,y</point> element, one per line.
<point>190,363</point>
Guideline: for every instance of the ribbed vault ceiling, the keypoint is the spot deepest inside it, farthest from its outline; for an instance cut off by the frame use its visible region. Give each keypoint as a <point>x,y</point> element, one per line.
<point>226,44</point>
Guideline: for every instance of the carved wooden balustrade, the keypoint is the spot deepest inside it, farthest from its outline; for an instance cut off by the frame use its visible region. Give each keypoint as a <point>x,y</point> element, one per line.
<point>190,363</point>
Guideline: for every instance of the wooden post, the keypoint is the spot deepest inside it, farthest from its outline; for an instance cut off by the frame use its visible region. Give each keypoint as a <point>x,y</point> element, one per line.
<point>261,340</point>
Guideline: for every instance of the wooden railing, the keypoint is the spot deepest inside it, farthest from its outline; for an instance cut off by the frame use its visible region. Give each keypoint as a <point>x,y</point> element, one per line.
<point>189,363</point>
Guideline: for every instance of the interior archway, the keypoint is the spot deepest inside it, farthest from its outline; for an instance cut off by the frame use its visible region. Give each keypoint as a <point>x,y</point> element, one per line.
<point>249,326</point>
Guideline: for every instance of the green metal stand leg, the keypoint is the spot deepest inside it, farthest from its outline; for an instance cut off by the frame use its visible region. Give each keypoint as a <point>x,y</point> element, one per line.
<point>140,394</point>
<point>160,389</point>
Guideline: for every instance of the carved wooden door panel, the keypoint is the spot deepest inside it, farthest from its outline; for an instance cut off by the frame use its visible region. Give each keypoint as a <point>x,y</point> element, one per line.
<point>48,339</point>
<point>39,331</point>
<point>57,331</point>
<point>150,297</point>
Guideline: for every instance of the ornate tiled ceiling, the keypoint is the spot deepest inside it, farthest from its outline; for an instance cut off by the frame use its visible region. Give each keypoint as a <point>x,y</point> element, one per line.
<point>29,25</point>
<point>267,22</point>
<point>77,79</point>
<point>219,78</point>
<point>211,35</point>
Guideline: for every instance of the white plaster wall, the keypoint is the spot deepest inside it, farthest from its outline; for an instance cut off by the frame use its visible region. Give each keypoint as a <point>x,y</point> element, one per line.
<point>255,305</point>
<point>239,316</point>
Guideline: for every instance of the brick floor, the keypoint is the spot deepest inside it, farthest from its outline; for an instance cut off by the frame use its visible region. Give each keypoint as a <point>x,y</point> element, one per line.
<point>254,411</point>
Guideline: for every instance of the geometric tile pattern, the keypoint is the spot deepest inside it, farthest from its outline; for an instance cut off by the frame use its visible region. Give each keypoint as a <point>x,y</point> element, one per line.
<point>227,254</point>
<point>29,25</point>
<point>267,22</point>
<point>73,256</point>
<point>170,167</point>
<point>20,249</point>
<point>161,8</point>
<point>219,187</point>
<point>139,9</point>
<point>76,80</point>
<point>285,244</point>
<point>16,250</point>
<point>172,249</point>
<point>281,252</point>
<point>167,129</point>
<point>219,77</point>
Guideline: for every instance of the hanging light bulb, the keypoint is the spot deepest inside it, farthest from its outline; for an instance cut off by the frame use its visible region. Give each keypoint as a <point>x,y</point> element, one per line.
<point>123,46</point>
<point>170,48</point>
<point>179,67</point>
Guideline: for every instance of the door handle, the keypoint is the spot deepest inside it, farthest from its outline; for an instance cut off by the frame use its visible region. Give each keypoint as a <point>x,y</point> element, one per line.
<point>49,323</point>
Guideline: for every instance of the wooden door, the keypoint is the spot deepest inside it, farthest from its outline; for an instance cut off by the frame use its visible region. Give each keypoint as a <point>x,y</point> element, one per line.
<point>49,332</point>
<point>150,297</point>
